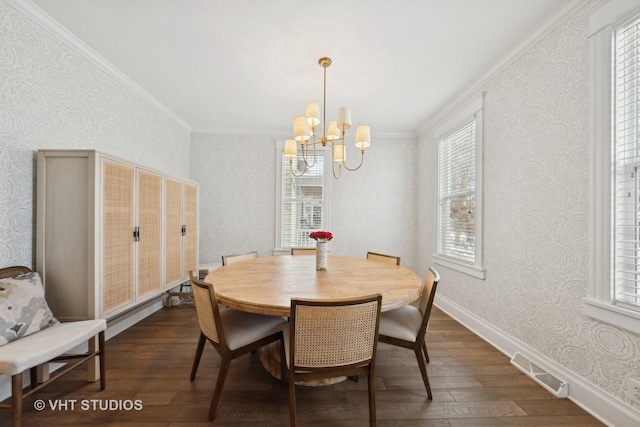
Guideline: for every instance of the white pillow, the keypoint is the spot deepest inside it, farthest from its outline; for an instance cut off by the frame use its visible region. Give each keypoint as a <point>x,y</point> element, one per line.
<point>23,309</point>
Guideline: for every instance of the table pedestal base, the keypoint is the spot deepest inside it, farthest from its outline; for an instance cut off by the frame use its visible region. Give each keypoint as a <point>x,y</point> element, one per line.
<point>270,359</point>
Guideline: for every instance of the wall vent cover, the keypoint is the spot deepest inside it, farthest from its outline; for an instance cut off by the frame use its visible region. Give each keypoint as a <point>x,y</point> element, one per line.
<point>554,385</point>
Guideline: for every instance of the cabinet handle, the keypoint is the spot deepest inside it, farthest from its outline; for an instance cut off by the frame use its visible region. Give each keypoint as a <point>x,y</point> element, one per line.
<point>184,230</point>
<point>136,234</point>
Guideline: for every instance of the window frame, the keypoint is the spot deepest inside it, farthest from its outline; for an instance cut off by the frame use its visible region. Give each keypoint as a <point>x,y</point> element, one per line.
<point>326,220</point>
<point>473,110</point>
<point>599,302</point>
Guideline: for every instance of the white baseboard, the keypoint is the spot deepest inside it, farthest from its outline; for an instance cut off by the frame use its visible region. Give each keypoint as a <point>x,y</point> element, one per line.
<point>599,403</point>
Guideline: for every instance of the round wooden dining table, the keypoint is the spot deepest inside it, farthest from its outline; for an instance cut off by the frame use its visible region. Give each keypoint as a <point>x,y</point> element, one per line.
<point>266,285</point>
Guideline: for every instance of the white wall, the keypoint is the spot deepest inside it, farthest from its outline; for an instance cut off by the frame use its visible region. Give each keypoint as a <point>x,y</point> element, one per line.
<point>53,96</point>
<point>536,229</point>
<point>237,178</point>
<point>372,209</point>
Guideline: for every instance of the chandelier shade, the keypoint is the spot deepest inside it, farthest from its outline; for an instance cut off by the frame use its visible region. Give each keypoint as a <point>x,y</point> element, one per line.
<point>307,134</point>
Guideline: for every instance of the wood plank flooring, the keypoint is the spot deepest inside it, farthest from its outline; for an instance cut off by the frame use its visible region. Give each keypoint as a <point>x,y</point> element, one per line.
<point>473,385</point>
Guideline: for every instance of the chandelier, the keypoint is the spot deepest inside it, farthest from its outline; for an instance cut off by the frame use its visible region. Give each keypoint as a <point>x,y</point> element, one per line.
<point>305,131</point>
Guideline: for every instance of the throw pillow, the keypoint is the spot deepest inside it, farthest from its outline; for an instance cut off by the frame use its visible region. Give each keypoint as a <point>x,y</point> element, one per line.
<point>23,309</point>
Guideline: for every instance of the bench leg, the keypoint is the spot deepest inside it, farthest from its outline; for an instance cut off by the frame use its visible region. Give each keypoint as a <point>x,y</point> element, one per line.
<point>33,375</point>
<point>16,400</point>
<point>102,361</point>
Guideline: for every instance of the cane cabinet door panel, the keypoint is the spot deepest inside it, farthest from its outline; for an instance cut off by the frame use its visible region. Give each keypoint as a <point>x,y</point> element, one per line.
<point>117,234</point>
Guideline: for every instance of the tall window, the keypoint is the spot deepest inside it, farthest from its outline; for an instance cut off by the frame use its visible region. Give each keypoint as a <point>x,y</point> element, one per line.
<point>626,113</point>
<point>614,290</point>
<point>459,224</point>
<point>302,202</point>
<point>457,184</point>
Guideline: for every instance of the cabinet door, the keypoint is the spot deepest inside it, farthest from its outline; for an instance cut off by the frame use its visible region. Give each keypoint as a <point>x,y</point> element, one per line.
<point>191,224</point>
<point>117,235</point>
<point>148,251</point>
<point>173,232</point>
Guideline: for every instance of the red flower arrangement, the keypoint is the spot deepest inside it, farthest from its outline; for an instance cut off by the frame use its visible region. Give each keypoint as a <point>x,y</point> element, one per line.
<point>321,236</point>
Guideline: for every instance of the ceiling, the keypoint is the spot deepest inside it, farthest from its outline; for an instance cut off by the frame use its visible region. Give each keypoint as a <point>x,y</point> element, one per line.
<point>251,65</point>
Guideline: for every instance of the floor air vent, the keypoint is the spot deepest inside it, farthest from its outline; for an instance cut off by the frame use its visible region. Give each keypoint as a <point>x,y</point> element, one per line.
<point>554,385</point>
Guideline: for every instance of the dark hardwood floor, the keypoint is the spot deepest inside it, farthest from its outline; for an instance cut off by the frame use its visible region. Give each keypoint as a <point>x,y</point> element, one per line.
<point>473,385</point>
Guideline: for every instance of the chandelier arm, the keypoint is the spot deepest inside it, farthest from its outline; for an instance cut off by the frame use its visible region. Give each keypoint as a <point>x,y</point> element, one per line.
<point>291,168</point>
<point>357,167</point>
<point>333,170</point>
<point>305,155</point>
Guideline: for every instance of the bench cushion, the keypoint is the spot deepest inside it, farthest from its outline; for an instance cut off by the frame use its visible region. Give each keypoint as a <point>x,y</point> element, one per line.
<point>23,309</point>
<point>41,347</point>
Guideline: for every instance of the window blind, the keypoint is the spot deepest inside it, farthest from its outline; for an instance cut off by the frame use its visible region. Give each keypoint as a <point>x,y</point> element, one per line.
<point>626,147</point>
<point>456,190</point>
<point>302,201</point>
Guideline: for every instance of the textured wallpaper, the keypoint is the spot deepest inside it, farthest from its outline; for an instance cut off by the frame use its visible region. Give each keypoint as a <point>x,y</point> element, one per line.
<point>51,96</point>
<point>536,229</point>
<point>237,176</point>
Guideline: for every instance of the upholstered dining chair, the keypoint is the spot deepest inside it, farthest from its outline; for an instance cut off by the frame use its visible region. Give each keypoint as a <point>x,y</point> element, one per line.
<point>331,338</point>
<point>230,259</point>
<point>231,332</point>
<point>303,251</point>
<point>383,258</point>
<point>406,326</point>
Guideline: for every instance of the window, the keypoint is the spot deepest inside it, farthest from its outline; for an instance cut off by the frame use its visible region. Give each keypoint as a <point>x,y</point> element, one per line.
<point>614,291</point>
<point>302,201</point>
<point>459,196</point>
<point>626,148</point>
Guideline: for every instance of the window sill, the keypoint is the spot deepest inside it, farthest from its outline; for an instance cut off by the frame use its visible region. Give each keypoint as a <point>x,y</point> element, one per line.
<point>471,270</point>
<point>623,318</point>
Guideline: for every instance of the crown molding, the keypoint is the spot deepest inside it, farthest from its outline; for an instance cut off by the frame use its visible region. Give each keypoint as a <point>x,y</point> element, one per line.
<point>555,19</point>
<point>40,17</point>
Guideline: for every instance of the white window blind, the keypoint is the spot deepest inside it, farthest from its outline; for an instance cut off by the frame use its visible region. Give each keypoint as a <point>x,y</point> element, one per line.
<point>626,64</point>
<point>303,201</point>
<point>456,177</point>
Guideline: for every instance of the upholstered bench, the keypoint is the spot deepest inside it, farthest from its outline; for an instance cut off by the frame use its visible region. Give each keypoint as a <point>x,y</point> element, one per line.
<point>50,344</point>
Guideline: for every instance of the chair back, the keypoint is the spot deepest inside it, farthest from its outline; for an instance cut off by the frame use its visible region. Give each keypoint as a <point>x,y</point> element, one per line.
<point>303,251</point>
<point>206,304</point>
<point>428,294</point>
<point>334,333</point>
<point>384,258</point>
<point>230,259</point>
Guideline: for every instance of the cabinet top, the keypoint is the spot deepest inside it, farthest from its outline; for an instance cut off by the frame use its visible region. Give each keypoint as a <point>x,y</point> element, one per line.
<point>96,156</point>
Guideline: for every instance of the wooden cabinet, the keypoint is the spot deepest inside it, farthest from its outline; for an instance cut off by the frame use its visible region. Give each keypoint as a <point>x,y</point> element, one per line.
<point>106,239</point>
<point>181,228</point>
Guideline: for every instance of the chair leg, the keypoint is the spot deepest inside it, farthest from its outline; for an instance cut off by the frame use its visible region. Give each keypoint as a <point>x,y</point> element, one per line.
<point>222,376</point>
<point>196,359</point>
<point>372,399</point>
<point>426,353</point>
<point>423,371</point>
<point>103,362</point>
<point>16,400</point>
<point>292,400</point>
<point>283,364</point>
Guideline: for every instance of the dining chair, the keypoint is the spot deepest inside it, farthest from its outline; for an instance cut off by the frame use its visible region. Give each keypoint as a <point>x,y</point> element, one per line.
<point>230,259</point>
<point>331,338</point>
<point>303,251</point>
<point>232,333</point>
<point>406,326</point>
<point>383,258</point>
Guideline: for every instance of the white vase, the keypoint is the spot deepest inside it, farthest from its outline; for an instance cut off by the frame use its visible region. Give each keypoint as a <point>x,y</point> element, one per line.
<point>321,256</point>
